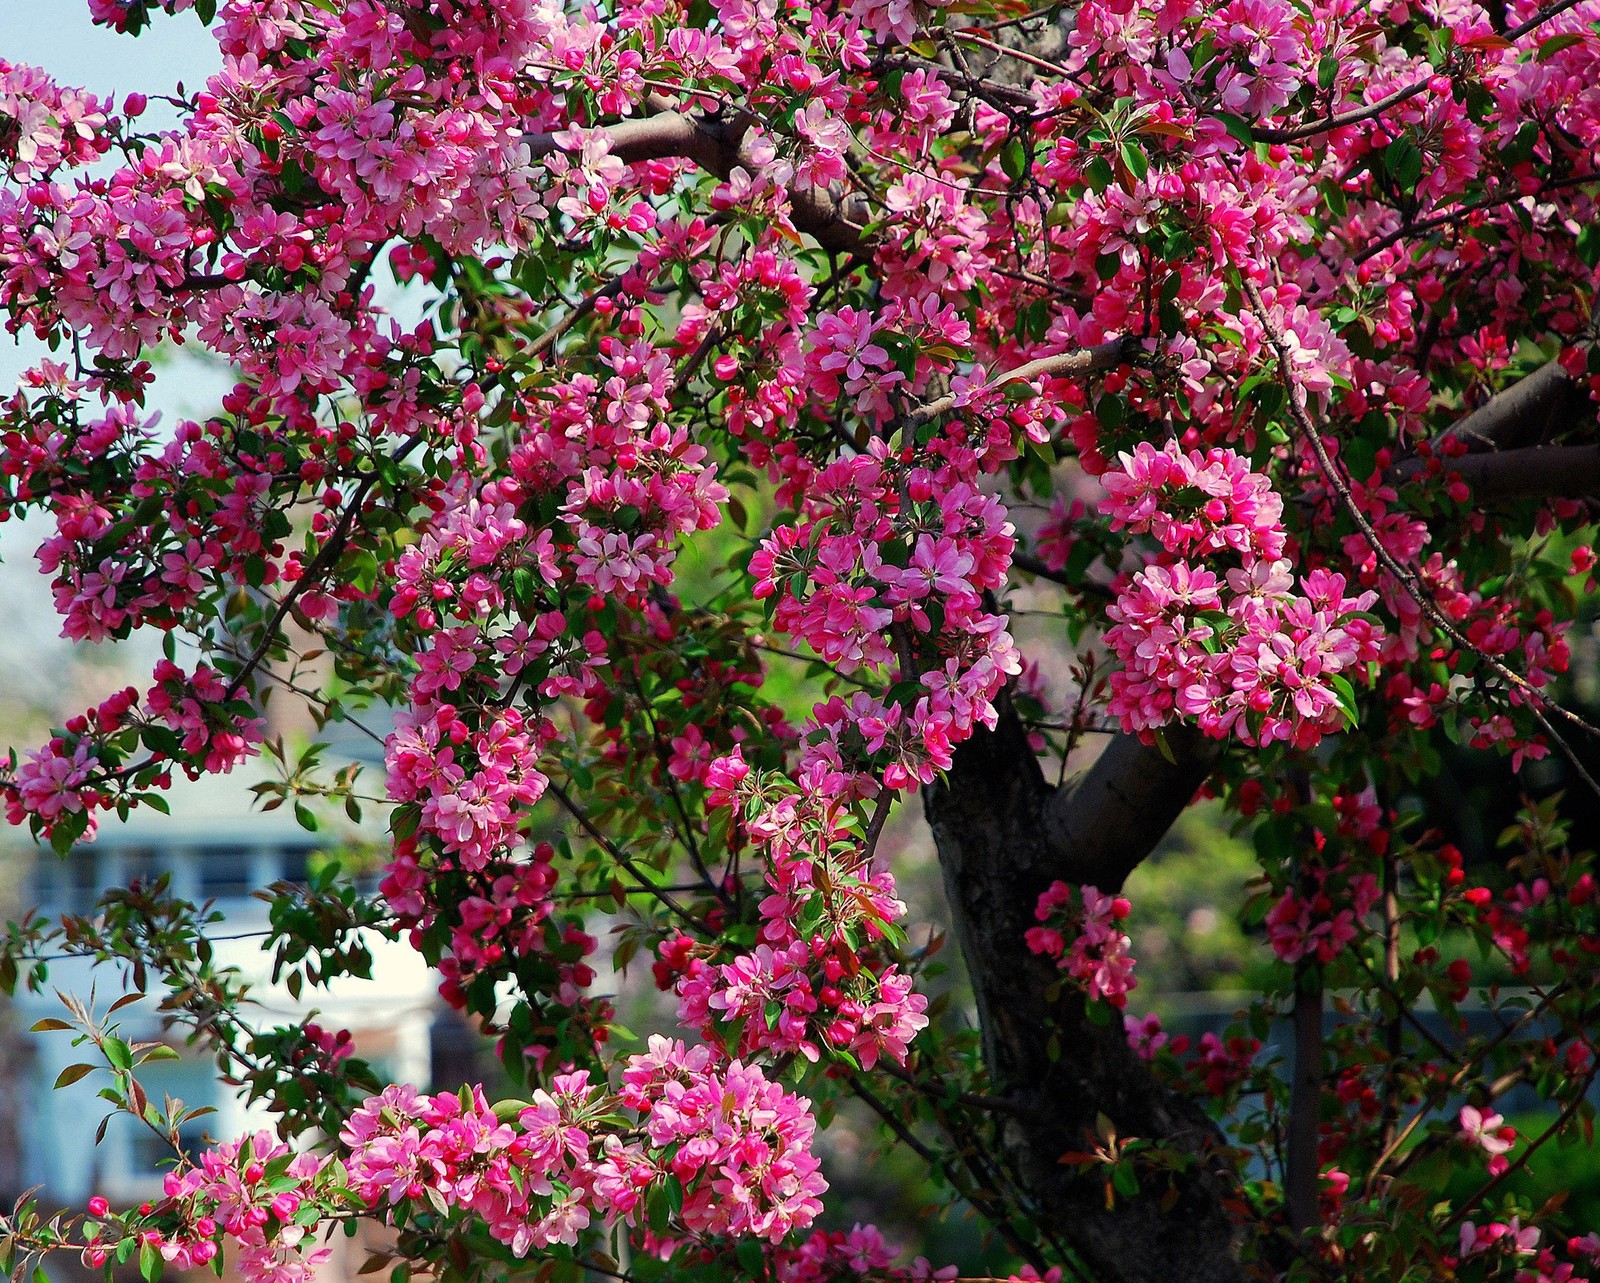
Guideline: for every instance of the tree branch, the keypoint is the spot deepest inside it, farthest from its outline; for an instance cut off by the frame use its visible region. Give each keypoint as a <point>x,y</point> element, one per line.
<point>1302,1179</point>
<point>1536,407</point>
<point>1357,115</point>
<point>1506,435</point>
<point>1534,701</point>
<point>1087,360</point>
<point>1538,472</point>
<point>833,221</point>
<point>1354,116</point>
<point>1103,827</point>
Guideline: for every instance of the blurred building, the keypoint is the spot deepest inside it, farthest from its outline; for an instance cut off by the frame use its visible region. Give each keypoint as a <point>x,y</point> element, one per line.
<point>216,849</point>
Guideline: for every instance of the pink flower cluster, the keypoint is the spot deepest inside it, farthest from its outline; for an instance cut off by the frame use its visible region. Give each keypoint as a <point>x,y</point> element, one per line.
<point>1086,941</point>
<point>189,718</point>
<point>252,1194</point>
<point>812,984</point>
<point>1263,54</point>
<point>888,542</point>
<point>736,1144</point>
<point>469,786</point>
<point>495,917</point>
<point>44,126</point>
<point>1241,652</point>
<point>55,780</point>
<point>739,1145</point>
<point>1490,1133</point>
<point>536,1172</point>
<point>1511,1237</point>
<point>859,1252</point>
<point>1509,922</point>
<point>507,484</point>
<point>1319,924</point>
<point>214,738</point>
<point>1221,1064</point>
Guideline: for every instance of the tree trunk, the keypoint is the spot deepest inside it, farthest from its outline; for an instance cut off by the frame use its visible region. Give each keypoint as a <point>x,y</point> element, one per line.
<point>1003,835</point>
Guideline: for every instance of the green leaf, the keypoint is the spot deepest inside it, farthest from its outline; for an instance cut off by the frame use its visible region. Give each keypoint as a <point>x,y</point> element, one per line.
<point>1555,44</point>
<point>751,1258</point>
<point>1015,160</point>
<point>117,1053</point>
<point>1360,457</point>
<point>68,829</point>
<point>1403,159</point>
<point>150,1262</point>
<point>71,1074</point>
<point>1346,695</point>
<point>160,1052</point>
<point>1238,126</point>
<point>1134,158</point>
<point>1269,397</point>
<point>1589,244</point>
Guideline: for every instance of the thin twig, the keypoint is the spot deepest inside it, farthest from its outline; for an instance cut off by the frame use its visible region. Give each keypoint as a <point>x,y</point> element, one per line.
<point>1407,579</point>
<point>624,860</point>
<point>1088,360</point>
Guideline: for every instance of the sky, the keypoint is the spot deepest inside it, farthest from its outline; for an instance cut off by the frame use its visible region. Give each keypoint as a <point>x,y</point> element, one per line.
<point>58,36</point>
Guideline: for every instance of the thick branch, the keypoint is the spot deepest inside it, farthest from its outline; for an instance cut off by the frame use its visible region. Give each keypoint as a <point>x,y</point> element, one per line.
<point>1104,826</point>
<point>1504,437</point>
<point>1303,1180</point>
<point>1539,472</point>
<point>1534,408</point>
<point>834,222</point>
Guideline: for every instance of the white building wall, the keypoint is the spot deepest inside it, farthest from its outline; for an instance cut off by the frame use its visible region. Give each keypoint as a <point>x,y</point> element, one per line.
<point>58,1127</point>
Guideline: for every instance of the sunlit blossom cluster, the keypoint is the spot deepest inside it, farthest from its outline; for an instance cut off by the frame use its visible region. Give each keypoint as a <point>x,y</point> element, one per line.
<point>736,1144</point>
<point>817,980</point>
<point>1238,649</point>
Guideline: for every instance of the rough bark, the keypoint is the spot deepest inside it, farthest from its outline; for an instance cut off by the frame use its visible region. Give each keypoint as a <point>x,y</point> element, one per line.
<point>1003,835</point>
<point>1535,408</point>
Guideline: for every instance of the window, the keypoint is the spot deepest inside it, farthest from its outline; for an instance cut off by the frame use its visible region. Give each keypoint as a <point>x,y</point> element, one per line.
<point>69,885</point>
<point>294,865</point>
<point>226,872</point>
<point>137,1159</point>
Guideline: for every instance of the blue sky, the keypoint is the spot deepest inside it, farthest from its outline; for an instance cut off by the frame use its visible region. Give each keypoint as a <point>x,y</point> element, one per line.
<point>58,36</point>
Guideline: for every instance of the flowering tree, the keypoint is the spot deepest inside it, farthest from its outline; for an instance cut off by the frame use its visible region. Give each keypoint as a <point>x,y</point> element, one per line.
<point>1253,341</point>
